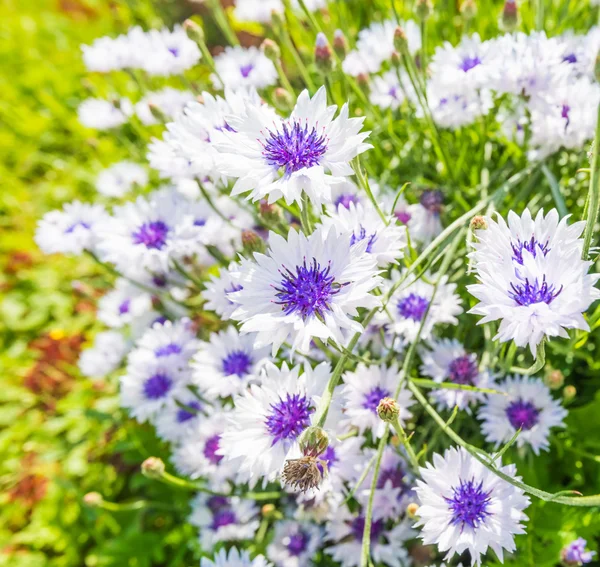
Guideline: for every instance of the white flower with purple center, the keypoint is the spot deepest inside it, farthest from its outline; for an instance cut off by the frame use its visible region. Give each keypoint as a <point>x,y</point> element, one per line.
<point>574,554</point>
<point>531,277</point>
<point>146,390</point>
<point>102,114</point>
<point>243,67</point>
<point>388,545</point>
<point>268,419</point>
<point>423,218</point>
<point>294,544</point>
<point>412,301</point>
<point>218,290</point>
<point>389,91</point>
<point>362,222</point>
<point>257,10</point>
<point>120,178</point>
<point>304,154</point>
<point>464,506</point>
<point>70,230</point>
<point>234,558</point>
<point>181,422</point>
<point>168,101</point>
<point>226,364</point>
<point>223,518</point>
<point>169,52</point>
<point>528,405</point>
<point>446,360</point>
<point>124,304</point>
<point>364,388</point>
<point>104,356</point>
<point>455,108</point>
<point>344,194</point>
<point>305,287</point>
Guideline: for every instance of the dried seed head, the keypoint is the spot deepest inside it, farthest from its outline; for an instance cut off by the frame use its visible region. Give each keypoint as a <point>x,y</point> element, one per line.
<point>302,474</point>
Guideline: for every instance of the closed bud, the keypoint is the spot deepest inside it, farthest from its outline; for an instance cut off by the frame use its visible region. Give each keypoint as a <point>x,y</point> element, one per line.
<point>252,242</point>
<point>411,509</point>
<point>271,50</point>
<point>277,19</point>
<point>468,9</point>
<point>268,509</point>
<point>388,410</point>
<point>554,379</point>
<point>400,41</point>
<point>340,43</point>
<point>153,467</point>
<point>396,59</point>
<point>323,54</point>
<point>270,213</point>
<point>423,9</point>
<point>158,113</point>
<point>569,393</point>
<point>510,15</point>
<point>478,223</point>
<point>93,499</point>
<point>194,31</point>
<point>363,79</point>
<point>314,441</point>
<point>283,99</point>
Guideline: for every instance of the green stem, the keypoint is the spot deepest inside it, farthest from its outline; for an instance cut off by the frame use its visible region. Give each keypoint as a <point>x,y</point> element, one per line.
<point>133,506</point>
<point>223,22</point>
<point>364,183</point>
<point>412,456</point>
<point>432,384</point>
<point>283,78</point>
<point>305,219</point>
<point>286,40</point>
<point>593,193</point>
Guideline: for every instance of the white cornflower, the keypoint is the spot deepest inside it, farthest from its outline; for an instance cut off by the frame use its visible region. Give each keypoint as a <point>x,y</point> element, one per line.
<point>70,230</point>
<point>284,158</point>
<point>388,92</point>
<point>304,288</point>
<point>169,101</point>
<point>170,52</point>
<point>268,419</point>
<point>384,241</point>
<point>182,422</point>
<point>345,193</point>
<point>241,67</point>
<point>455,109</point>
<point>388,546</point>
<point>464,506</point>
<point>226,364</point>
<point>122,305</point>
<point>218,290</point>
<point>106,54</point>
<point>223,518</point>
<point>166,159</point>
<point>120,178</point>
<point>256,10</point>
<point>104,356</point>
<point>531,277</point>
<point>409,303</point>
<point>294,544</point>
<point>363,390</point>
<point>528,405</point>
<point>446,360</point>
<point>423,218</point>
<point>234,558</point>
<point>102,114</point>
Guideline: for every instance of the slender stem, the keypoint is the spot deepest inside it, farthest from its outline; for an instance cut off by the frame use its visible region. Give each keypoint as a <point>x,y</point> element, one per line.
<point>305,219</point>
<point>286,40</point>
<point>133,506</point>
<point>223,22</point>
<point>593,193</point>
<point>363,181</point>
<point>412,456</point>
<point>432,384</point>
<point>283,78</point>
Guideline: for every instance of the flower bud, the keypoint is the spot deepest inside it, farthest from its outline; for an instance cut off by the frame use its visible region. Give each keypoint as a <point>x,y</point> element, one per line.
<point>93,499</point>
<point>158,113</point>
<point>400,41</point>
<point>323,54</point>
<point>510,15</point>
<point>314,441</point>
<point>468,9</point>
<point>478,223</point>
<point>252,242</point>
<point>340,43</point>
<point>411,509</point>
<point>423,9</point>
<point>569,393</point>
<point>432,200</point>
<point>277,19</point>
<point>194,31</point>
<point>268,509</point>
<point>388,410</point>
<point>554,379</point>
<point>271,50</point>
<point>396,59</point>
<point>153,467</point>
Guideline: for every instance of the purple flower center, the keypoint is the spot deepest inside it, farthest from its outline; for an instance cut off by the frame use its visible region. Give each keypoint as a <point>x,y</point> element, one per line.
<point>575,553</point>
<point>394,475</point>
<point>372,398</point>
<point>184,415</point>
<point>152,235</point>
<point>564,113</point>
<point>432,200</point>
<point>413,307</point>
<point>570,58</point>
<point>469,63</point>
<point>160,320</point>
<point>345,199</point>
<point>124,307</point>
<point>361,236</point>
<point>166,350</point>
<point>294,148</point>
<point>237,362</point>
<point>174,51</point>
<point>223,517</point>
<point>532,293</point>
<point>463,370</point>
<point>469,504</point>
<point>532,246</point>
<point>157,386</point>
<point>210,449</point>
<point>522,414</point>
<point>358,527</point>
<point>393,92</point>
<point>289,417</point>
<point>245,70</point>
<point>199,222</point>
<point>159,281</point>
<point>77,224</point>
<point>308,291</point>
<point>297,543</point>
<point>214,503</point>
<point>403,216</point>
